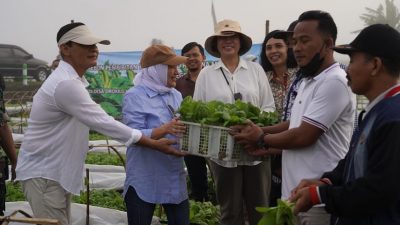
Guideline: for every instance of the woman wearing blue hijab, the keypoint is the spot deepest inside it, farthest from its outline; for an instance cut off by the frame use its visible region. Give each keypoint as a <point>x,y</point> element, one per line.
<point>153,177</point>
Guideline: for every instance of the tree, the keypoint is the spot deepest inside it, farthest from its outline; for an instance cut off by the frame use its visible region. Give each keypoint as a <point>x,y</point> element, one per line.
<point>386,15</point>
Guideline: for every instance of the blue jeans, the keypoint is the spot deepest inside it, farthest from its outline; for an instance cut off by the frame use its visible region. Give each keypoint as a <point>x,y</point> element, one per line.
<point>140,212</point>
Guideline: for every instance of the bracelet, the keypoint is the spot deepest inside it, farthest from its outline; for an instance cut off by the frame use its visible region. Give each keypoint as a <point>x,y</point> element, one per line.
<point>261,142</point>
<point>314,198</point>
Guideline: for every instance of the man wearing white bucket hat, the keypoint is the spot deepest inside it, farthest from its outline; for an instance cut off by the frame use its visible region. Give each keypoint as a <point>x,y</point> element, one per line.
<point>52,155</point>
<point>230,79</point>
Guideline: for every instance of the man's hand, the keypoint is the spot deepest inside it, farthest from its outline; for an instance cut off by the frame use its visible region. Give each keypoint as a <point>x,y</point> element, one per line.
<point>236,129</point>
<point>305,183</point>
<point>302,200</point>
<point>247,135</point>
<point>301,195</point>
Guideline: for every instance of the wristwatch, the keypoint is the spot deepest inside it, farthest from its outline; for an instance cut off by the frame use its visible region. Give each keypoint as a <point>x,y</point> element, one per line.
<point>261,143</point>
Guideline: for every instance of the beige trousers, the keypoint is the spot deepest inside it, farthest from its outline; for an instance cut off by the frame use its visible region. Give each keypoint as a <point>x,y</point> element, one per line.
<point>314,216</point>
<point>48,199</point>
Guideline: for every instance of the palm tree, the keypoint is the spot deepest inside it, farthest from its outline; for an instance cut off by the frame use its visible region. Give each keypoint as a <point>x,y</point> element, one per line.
<point>386,15</point>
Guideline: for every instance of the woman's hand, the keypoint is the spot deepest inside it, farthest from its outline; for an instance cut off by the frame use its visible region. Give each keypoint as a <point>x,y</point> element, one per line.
<point>174,127</point>
<point>163,145</point>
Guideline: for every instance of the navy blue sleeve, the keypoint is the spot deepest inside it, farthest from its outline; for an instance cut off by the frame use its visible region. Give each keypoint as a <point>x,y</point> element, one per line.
<point>379,189</point>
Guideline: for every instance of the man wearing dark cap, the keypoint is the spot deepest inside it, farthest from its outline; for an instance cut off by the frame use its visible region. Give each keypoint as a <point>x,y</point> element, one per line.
<point>364,188</point>
<point>52,155</point>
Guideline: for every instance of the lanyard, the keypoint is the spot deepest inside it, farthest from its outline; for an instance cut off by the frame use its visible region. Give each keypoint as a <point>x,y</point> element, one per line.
<point>291,95</point>
<point>227,82</point>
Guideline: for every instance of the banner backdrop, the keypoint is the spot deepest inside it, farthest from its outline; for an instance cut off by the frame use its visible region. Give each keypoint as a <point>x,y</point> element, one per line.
<point>115,71</point>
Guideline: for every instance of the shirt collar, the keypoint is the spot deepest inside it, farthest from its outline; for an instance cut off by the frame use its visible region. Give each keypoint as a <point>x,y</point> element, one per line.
<point>269,75</point>
<point>151,93</point>
<point>378,99</point>
<point>325,72</point>
<point>72,73</point>
<point>187,77</point>
<point>242,64</point>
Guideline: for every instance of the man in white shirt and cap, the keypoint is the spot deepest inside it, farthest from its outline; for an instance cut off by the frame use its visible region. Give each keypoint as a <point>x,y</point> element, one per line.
<point>51,158</point>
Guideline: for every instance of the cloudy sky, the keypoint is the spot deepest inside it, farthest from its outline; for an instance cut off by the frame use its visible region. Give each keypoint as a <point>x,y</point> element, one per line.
<point>131,24</point>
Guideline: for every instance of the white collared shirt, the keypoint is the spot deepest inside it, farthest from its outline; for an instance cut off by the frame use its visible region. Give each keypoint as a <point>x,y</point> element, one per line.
<point>248,79</point>
<point>327,102</point>
<point>56,141</point>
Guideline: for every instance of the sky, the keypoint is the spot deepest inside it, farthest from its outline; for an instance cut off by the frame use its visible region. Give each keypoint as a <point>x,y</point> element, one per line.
<point>130,25</point>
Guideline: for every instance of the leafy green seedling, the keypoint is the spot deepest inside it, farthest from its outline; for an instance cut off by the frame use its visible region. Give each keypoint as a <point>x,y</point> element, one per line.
<point>282,214</point>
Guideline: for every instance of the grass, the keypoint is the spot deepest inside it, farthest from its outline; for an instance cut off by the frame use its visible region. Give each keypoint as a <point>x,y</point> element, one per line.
<point>104,159</point>
<point>102,198</point>
<point>14,192</point>
<point>94,136</point>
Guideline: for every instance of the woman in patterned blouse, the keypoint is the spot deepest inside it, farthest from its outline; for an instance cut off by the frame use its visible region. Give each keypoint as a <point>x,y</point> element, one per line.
<point>278,62</point>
